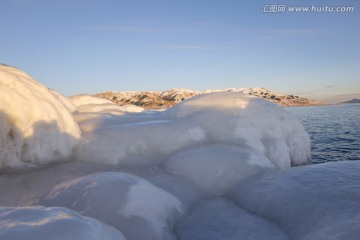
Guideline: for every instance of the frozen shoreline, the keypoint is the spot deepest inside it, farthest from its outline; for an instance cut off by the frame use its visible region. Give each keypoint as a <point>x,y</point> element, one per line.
<point>221,159</point>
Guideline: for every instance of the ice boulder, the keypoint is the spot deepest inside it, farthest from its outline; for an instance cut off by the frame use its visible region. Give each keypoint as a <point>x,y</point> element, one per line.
<point>221,219</point>
<point>318,202</point>
<point>107,108</point>
<point>132,204</point>
<point>84,99</point>
<point>216,167</point>
<point>90,104</point>
<point>40,223</point>
<point>36,124</point>
<point>141,139</point>
<point>132,108</point>
<point>250,122</point>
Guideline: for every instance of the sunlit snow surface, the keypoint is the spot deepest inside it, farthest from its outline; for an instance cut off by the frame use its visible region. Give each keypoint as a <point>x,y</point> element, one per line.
<point>36,124</point>
<point>216,166</point>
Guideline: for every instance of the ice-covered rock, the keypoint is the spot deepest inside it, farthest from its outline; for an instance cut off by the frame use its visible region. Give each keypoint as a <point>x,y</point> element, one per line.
<point>232,118</point>
<point>37,125</point>
<point>250,122</point>
<point>216,167</point>
<point>220,219</point>
<point>318,202</point>
<point>84,99</point>
<point>90,104</point>
<point>214,144</point>
<point>132,108</point>
<point>106,108</point>
<point>125,201</point>
<point>54,223</point>
<point>142,141</point>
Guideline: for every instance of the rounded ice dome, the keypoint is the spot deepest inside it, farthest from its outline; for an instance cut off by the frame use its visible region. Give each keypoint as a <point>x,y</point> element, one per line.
<point>37,125</point>
<point>130,203</point>
<point>317,202</point>
<point>84,99</point>
<point>54,223</point>
<point>215,168</point>
<point>250,122</point>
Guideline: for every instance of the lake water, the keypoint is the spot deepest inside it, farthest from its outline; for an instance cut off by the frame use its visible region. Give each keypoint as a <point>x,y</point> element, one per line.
<point>334,131</point>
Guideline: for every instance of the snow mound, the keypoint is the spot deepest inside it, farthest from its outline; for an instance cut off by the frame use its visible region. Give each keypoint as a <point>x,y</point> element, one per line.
<point>56,223</point>
<point>132,108</point>
<point>220,219</point>
<point>90,104</point>
<point>231,118</point>
<point>250,122</point>
<point>65,101</point>
<point>125,201</point>
<point>37,125</point>
<point>216,167</point>
<point>84,99</point>
<point>136,140</point>
<point>317,202</point>
<point>107,108</point>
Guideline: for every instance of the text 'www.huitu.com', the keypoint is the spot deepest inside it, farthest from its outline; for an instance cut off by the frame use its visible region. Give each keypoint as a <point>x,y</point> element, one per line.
<point>278,8</point>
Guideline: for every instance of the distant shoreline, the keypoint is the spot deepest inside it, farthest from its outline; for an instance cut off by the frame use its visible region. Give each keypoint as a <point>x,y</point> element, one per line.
<point>155,100</point>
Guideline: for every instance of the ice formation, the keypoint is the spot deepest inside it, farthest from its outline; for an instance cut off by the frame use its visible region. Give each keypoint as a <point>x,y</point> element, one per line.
<point>122,200</point>
<point>309,203</point>
<point>213,167</point>
<point>85,99</point>
<point>36,125</point>
<point>52,223</point>
<point>221,219</point>
<point>217,167</point>
<point>233,118</point>
<point>250,122</point>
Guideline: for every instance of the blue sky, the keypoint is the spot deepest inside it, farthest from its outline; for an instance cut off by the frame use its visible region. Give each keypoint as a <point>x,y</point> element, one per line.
<point>90,46</point>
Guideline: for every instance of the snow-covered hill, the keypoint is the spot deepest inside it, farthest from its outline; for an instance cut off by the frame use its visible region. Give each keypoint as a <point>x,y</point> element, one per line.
<point>168,98</point>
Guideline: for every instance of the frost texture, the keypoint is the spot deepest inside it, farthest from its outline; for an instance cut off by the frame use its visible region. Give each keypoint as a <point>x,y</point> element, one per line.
<point>122,200</point>
<point>55,223</point>
<point>37,125</point>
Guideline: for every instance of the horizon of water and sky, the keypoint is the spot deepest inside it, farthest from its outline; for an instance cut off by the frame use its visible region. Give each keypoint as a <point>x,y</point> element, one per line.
<point>306,48</point>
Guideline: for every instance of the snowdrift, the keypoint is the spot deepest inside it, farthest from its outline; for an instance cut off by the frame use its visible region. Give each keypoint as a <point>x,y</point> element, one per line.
<point>36,124</point>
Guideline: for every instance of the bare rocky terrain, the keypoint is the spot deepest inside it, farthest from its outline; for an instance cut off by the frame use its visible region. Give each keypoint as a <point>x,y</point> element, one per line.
<point>168,98</point>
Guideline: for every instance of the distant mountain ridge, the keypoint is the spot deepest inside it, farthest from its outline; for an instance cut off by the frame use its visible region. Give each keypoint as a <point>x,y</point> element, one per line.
<point>354,100</point>
<point>168,98</point>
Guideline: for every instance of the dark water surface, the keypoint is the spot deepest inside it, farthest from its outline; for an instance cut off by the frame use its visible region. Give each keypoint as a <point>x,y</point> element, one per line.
<point>334,131</point>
